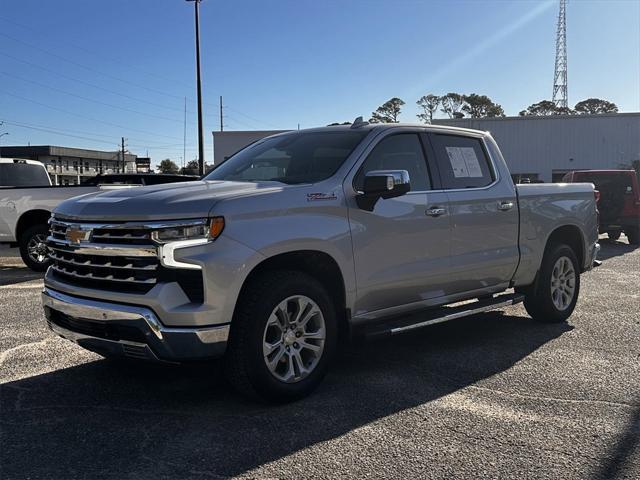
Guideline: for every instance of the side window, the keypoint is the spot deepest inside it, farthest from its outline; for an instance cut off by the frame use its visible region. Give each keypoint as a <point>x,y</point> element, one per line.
<point>462,162</point>
<point>398,152</point>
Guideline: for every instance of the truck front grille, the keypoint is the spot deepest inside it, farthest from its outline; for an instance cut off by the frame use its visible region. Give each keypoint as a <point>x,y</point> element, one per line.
<point>118,257</point>
<point>110,257</point>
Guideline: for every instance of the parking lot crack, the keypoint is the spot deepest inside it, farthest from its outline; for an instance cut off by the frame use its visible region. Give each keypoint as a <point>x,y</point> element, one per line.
<point>556,399</point>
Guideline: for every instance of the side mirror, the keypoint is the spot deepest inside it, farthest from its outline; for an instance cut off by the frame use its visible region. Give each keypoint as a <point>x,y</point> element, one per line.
<point>382,184</point>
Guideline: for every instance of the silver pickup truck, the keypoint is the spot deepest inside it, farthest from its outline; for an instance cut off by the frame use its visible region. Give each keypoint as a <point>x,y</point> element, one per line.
<point>306,237</point>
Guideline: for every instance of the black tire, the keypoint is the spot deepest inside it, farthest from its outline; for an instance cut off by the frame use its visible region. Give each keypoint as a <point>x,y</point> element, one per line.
<point>633,235</point>
<point>614,235</point>
<point>244,364</point>
<point>539,301</point>
<point>33,234</point>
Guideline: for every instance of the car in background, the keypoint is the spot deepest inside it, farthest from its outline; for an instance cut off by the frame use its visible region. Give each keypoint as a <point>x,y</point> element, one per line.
<point>27,199</point>
<point>619,203</point>
<point>17,172</point>
<point>138,179</point>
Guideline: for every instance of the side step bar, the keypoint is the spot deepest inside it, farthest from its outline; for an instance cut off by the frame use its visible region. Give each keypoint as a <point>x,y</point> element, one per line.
<point>439,315</point>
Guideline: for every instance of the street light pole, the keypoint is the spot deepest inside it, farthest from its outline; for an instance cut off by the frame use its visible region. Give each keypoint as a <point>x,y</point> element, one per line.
<point>199,85</point>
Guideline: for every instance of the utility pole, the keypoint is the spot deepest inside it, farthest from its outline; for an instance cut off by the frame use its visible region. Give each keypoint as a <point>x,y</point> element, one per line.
<point>3,134</point>
<point>221,121</point>
<point>184,135</point>
<point>124,162</point>
<point>199,85</point>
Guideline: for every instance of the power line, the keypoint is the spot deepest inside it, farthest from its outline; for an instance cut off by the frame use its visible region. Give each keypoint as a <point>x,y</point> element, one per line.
<point>91,69</point>
<point>87,99</point>
<point>73,79</point>
<point>93,52</point>
<point>77,64</point>
<point>147,132</point>
<point>151,143</point>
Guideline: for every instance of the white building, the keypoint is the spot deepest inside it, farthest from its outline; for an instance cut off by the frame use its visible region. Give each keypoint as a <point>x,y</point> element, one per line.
<point>227,143</point>
<point>70,166</point>
<point>538,148</point>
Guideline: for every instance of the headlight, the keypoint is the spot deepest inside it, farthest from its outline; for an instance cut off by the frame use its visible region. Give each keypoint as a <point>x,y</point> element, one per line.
<point>205,230</point>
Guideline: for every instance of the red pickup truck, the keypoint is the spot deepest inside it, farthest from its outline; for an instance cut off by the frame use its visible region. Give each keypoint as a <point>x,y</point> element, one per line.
<point>619,203</point>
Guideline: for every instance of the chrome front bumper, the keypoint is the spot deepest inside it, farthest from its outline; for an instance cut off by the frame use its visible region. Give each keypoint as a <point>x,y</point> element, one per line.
<point>124,330</point>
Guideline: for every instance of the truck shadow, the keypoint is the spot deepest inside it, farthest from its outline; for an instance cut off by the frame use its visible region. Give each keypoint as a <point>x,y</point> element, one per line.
<point>11,275</point>
<point>614,248</point>
<point>143,421</point>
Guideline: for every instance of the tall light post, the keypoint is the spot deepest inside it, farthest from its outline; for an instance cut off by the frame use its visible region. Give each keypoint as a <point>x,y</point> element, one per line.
<point>199,84</point>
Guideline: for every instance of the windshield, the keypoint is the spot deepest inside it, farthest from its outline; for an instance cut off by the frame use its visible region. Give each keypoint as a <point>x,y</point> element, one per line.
<point>23,175</point>
<point>293,158</point>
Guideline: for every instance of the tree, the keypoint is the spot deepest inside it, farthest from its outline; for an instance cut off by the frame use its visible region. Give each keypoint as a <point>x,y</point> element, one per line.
<point>167,166</point>
<point>388,112</point>
<point>595,106</point>
<point>543,107</point>
<point>191,168</point>
<point>479,106</point>
<point>429,104</point>
<point>452,104</point>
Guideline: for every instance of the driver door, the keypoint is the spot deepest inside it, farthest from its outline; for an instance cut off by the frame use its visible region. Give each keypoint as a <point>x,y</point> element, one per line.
<point>400,249</point>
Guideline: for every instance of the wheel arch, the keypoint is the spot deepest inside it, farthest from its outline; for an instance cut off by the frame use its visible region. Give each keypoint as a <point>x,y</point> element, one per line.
<point>29,219</point>
<point>572,236</point>
<point>318,264</point>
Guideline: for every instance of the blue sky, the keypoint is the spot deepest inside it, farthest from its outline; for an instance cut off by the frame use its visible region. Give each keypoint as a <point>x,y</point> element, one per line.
<point>98,70</point>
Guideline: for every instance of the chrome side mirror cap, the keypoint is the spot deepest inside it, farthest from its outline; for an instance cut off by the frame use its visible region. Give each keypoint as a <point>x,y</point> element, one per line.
<point>382,184</point>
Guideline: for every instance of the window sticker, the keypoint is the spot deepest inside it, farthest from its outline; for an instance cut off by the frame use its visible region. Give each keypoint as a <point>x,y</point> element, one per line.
<point>470,158</point>
<point>458,164</point>
<point>464,162</point>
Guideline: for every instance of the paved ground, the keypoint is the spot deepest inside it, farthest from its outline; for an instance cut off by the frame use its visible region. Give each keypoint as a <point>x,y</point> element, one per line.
<point>486,397</point>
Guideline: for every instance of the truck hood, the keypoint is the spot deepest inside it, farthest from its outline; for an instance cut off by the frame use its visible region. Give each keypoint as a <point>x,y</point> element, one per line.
<point>159,202</point>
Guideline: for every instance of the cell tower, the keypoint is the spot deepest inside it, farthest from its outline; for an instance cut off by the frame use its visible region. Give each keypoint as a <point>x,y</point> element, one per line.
<point>560,74</point>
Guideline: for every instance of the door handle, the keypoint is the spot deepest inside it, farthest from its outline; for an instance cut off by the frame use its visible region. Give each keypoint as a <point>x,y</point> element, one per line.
<point>505,206</point>
<point>435,211</point>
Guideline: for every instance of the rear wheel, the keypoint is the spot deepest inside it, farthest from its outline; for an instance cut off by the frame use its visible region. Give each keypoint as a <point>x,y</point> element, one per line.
<point>555,294</point>
<point>33,248</point>
<point>283,336</point>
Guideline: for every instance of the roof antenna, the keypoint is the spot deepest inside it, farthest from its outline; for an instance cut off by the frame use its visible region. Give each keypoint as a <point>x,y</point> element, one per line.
<point>359,122</point>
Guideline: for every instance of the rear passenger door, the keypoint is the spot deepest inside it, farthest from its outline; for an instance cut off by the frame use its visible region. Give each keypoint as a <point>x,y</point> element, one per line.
<point>483,210</point>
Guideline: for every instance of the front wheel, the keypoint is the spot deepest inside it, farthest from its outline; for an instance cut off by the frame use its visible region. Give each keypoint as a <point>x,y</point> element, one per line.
<point>283,336</point>
<point>554,297</point>
<point>33,248</point>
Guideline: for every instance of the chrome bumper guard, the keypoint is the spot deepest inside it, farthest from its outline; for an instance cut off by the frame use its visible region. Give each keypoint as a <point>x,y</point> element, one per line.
<point>123,330</point>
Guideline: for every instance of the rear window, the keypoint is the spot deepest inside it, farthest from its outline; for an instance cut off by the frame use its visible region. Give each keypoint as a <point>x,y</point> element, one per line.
<point>305,157</point>
<point>462,161</point>
<point>23,175</point>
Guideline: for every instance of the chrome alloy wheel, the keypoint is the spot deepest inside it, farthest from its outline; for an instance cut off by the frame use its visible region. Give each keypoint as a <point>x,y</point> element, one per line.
<point>37,248</point>
<point>294,337</point>
<point>563,283</point>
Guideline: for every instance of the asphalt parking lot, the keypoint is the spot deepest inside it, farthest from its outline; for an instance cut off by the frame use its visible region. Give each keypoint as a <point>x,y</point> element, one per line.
<point>492,396</point>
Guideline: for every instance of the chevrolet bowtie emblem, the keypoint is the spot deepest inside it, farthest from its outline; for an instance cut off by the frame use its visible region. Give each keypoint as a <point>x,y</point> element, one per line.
<point>76,234</point>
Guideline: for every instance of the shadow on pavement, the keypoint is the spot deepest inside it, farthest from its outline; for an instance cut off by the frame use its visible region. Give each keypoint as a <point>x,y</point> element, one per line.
<point>139,421</point>
<point>10,275</point>
<point>620,456</point>
<point>614,248</point>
